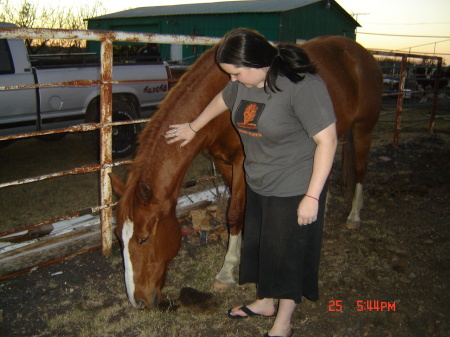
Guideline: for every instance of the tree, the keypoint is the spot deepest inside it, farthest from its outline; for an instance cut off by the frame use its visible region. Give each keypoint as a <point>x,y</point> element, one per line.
<point>28,14</point>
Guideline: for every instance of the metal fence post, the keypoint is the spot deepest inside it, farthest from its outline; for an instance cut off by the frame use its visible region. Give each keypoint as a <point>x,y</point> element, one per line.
<point>401,91</point>
<point>106,144</point>
<point>435,95</point>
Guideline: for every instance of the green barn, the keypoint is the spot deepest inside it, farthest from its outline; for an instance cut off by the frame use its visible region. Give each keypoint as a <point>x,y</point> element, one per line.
<point>278,20</point>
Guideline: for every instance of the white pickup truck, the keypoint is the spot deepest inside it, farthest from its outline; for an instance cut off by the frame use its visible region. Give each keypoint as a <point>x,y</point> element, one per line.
<point>37,109</point>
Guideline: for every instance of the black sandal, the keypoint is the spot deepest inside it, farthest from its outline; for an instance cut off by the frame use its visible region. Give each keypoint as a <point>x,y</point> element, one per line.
<point>249,313</point>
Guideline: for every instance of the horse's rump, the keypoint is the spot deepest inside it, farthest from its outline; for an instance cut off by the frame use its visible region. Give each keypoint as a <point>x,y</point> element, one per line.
<point>352,75</point>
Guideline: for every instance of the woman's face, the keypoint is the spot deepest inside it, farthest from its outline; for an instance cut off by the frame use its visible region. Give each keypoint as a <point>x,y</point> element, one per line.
<point>250,77</point>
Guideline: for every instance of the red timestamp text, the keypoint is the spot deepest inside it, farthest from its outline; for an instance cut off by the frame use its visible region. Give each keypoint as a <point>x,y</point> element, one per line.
<point>375,305</point>
<point>364,305</point>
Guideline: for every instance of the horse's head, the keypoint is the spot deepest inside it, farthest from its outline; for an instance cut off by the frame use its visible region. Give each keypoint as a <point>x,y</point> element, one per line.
<point>150,236</point>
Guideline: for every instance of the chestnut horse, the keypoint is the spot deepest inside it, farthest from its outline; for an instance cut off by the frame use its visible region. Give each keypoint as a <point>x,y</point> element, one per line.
<point>146,223</point>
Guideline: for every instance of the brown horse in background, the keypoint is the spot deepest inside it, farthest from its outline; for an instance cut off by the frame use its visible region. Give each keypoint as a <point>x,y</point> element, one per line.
<point>146,222</point>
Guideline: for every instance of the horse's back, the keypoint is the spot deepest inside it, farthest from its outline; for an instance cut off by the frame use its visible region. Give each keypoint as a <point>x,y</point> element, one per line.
<point>353,77</point>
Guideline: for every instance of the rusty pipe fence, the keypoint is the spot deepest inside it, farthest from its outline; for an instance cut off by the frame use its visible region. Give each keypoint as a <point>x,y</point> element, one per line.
<point>402,76</point>
<point>106,38</point>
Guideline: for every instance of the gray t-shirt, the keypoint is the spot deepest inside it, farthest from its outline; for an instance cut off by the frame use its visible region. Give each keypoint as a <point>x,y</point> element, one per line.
<point>276,130</point>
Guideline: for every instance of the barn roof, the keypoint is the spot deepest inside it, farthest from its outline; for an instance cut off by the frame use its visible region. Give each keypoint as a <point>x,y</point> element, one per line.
<point>226,7</point>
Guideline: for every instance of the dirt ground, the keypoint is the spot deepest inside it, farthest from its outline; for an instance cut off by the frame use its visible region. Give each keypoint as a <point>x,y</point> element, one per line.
<point>396,267</point>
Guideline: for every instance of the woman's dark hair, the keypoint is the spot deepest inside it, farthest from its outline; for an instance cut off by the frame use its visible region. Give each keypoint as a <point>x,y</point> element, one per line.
<point>247,48</point>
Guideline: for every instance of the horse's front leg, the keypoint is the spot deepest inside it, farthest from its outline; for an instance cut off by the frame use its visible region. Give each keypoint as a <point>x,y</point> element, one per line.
<point>235,216</point>
<point>224,279</point>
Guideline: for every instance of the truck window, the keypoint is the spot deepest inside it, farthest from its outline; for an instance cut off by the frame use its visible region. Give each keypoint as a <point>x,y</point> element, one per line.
<point>6,64</point>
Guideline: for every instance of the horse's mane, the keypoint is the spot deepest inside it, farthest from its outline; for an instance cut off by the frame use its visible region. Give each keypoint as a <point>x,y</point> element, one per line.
<point>190,82</point>
<point>171,110</point>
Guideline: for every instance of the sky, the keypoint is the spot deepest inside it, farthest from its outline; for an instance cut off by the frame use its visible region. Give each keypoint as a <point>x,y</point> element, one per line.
<point>404,26</point>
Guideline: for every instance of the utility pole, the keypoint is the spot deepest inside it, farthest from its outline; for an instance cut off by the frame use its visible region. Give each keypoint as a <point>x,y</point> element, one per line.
<point>355,16</point>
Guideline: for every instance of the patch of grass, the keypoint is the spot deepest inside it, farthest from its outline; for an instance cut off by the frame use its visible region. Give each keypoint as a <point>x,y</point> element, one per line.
<point>196,265</point>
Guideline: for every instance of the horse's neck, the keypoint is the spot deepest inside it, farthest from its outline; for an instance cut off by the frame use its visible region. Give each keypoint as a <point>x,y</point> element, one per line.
<point>164,165</point>
<point>164,168</point>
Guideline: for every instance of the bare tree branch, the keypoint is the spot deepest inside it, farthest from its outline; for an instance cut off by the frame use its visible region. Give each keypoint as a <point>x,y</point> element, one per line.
<point>29,14</point>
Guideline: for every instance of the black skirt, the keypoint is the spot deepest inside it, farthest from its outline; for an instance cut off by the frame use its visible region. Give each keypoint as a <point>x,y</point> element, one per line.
<point>279,255</point>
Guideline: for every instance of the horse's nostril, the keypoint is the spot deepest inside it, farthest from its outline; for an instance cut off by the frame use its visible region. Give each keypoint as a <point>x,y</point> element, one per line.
<point>141,305</point>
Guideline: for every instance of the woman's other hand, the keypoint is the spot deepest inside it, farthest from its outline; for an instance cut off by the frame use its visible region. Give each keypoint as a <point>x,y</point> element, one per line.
<point>179,133</point>
<point>307,211</point>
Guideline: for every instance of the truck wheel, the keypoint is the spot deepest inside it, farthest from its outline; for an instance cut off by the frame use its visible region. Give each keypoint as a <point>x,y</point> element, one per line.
<point>123,136</point>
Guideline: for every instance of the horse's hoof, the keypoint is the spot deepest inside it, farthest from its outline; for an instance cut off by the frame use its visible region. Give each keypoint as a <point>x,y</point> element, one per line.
<point>222,286</point>
<point>353,224</point>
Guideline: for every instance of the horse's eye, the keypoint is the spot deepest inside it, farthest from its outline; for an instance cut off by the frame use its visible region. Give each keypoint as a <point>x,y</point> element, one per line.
<point>142,241</point>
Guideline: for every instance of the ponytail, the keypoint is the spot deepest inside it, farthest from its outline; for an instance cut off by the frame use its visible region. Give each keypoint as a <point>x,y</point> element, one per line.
<point>292,62</point>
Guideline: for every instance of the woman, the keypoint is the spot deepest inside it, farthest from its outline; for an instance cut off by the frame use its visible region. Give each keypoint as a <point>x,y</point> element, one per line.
<point>286,122</point>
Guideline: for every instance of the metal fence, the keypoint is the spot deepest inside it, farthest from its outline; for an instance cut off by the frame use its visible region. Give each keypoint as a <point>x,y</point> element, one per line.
<point>396,77</point>
<point>106,38</point>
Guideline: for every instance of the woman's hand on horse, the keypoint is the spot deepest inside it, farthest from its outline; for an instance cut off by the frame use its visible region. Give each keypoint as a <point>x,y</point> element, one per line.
<point>307,211</point>
<point>179,133</point>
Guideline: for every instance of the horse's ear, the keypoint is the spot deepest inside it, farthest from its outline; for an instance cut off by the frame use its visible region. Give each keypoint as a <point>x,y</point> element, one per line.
<point>145,191</point>
<point>117,184</point>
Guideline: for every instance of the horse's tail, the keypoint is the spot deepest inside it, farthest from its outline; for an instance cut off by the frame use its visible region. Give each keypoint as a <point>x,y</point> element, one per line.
<point>348,165</point>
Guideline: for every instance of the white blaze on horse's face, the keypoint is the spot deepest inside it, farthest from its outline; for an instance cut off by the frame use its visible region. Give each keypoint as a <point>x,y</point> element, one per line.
<point>127,234</point>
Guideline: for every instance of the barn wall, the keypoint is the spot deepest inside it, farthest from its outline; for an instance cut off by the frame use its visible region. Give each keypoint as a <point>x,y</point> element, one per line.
<point>203,25</point>
<point>217,25</point>
<point>300,23</point>
<point>314,20</point>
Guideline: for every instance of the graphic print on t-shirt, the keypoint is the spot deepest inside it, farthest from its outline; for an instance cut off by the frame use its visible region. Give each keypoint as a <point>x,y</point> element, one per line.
<point>247,116</point>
